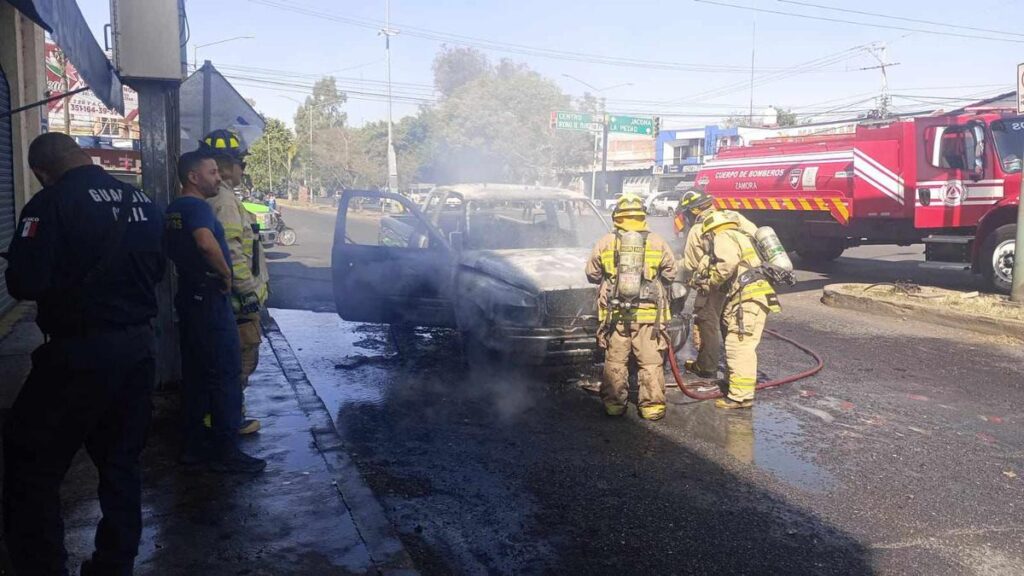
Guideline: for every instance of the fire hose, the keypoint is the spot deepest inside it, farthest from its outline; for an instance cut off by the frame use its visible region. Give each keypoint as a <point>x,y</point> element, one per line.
<point>819,364</point>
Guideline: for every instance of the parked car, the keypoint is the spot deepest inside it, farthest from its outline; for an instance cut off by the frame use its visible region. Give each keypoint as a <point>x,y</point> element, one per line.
<point>663,203</point>
<point>503,264</point>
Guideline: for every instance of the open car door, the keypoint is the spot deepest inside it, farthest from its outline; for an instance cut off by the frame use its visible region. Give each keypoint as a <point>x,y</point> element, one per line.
<point>389,265</point>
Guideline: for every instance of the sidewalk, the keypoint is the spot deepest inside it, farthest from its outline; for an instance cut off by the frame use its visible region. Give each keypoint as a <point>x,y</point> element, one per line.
<point>308,513</point>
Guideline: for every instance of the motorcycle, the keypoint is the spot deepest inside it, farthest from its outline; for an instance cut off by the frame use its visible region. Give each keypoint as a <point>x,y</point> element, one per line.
<point>285,235</point>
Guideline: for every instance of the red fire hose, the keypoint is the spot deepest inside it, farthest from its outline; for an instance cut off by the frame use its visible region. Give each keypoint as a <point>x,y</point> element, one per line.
<point>819,364</point>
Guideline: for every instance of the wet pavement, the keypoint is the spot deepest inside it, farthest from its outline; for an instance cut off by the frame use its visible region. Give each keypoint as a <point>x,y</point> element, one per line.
<point>308,513</point>
<point>902,457</point>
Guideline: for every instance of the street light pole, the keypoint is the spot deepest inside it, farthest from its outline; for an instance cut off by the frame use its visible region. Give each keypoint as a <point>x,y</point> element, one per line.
<point>392,181</point>
<point>195,48</point>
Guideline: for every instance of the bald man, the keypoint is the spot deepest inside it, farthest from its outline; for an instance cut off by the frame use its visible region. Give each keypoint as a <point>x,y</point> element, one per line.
<point>88,251</point>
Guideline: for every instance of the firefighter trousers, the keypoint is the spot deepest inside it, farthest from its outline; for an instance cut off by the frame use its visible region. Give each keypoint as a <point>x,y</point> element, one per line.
<point>647,345</point>
<point>708,319</point>
<point>741,340</point>
<point>249,337</point>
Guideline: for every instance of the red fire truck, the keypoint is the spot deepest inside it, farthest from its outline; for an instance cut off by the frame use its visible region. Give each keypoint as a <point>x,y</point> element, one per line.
<point>951,182</point>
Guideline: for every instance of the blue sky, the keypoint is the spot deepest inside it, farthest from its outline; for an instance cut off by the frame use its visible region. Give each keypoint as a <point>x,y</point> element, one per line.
<point>683,32</point>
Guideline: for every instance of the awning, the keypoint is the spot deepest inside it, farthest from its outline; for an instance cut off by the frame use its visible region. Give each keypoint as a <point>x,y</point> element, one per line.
<point>228,110</point>
<point>66,25</point>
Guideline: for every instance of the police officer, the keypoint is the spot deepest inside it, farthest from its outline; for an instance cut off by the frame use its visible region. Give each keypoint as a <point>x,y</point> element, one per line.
<point>632,327</point>
<point>694,207</point>
<point>248,266</point>
<point>209,336</point>
<point>88,251</point>
<point>731,265</point>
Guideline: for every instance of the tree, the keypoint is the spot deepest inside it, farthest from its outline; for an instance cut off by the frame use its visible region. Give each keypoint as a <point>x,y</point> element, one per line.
<point>271,158</point>
<point>456,67</point>
<point>495,128</point>
<point>321,112</point>
<point>785,116</point>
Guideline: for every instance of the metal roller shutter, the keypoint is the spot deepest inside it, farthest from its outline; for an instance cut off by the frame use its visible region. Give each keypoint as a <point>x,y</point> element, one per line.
<point>7,221</point>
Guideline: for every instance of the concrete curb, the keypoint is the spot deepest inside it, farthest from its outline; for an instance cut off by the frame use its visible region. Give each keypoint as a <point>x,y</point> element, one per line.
<point>309,208</point>
<point>379,536</point>
<point>833,295</point>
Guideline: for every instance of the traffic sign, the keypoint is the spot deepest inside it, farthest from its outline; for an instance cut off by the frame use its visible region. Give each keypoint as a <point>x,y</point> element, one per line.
<point>576,121</point>
<point>642,125</point>
<point>1020,88</point>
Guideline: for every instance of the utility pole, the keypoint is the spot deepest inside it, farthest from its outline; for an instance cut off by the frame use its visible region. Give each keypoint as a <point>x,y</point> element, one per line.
<point>753,51</point>
<point>66,86</point>
<point>392,183</point>
<point>593,168</point>
<point>604,150</point>
<point>880,52</point>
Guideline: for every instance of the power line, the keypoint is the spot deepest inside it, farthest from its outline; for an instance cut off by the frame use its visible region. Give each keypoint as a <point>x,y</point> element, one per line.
<point>900,18</point>
<point>497,46</point>
<point>856,23</point>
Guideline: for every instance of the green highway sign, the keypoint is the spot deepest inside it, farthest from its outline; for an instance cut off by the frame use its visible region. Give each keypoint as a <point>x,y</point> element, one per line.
<point>643,125</point>
<point>576,121</point>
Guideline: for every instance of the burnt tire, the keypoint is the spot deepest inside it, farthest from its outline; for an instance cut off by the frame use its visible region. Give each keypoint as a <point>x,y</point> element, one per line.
<point>824,250</point>
<point>997,258</point>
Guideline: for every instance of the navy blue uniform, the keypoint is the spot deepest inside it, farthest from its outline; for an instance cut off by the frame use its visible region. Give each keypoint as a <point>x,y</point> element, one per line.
<point>91,381</point>
<point>210,353</point>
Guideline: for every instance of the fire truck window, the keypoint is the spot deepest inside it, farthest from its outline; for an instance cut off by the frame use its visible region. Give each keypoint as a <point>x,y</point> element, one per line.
<point>1008,135</point>
<point>950,153</point>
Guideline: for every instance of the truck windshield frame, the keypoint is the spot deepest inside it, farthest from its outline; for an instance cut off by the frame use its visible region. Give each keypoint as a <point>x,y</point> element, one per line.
<point>1008,136</point>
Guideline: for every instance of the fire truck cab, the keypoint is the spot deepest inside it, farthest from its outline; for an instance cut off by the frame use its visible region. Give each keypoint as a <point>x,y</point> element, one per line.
<point>950,181</point>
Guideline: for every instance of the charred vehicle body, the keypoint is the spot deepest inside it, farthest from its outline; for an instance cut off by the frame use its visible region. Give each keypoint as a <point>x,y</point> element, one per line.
<point>503,264</point>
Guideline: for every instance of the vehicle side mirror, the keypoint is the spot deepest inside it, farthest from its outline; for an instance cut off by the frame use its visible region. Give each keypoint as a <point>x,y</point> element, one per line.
<point>456,241</point>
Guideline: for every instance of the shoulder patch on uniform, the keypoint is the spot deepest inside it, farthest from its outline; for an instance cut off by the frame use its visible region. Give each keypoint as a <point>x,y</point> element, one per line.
<point>29,227</point>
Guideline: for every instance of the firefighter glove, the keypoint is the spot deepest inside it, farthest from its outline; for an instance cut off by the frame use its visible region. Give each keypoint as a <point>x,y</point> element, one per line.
<point>250,303</point>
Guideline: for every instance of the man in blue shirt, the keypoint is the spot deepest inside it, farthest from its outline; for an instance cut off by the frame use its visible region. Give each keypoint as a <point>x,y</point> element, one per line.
<point>209,335</point>
<point>88,251</point>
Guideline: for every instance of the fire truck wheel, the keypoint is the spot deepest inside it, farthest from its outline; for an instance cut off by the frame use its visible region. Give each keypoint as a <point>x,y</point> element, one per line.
<point>823,250</point>
<point>997,258</point>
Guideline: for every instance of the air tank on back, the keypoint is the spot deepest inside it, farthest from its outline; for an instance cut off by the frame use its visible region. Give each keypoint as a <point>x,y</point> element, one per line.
<point>771,248</point>
<point>631,265</point>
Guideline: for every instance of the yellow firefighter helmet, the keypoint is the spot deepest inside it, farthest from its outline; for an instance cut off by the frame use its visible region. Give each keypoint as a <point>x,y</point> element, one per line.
<point>629,205</point>
<point>720,220</point>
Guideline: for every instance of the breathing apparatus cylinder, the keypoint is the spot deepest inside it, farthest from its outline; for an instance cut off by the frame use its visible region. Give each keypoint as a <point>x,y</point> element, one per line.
<point>771,248</point>
<point>630,271</point>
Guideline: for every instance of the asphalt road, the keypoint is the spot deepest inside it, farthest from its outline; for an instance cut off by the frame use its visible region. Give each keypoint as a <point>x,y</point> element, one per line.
<point>903,456</point>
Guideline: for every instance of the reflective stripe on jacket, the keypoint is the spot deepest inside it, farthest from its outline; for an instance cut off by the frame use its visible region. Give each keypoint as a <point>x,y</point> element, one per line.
<point>734,254</point>
<point>659,267</point>
<point>238,233</point>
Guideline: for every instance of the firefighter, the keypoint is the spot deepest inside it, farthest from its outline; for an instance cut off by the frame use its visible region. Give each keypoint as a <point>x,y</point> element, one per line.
<point>88,251</point>
<point>731,266</point>
<point>694,207</point>
<point>248,266</point>
<point>633,267</point>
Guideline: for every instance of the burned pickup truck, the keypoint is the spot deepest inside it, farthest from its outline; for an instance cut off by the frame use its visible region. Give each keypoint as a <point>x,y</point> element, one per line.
<point>503,264</point>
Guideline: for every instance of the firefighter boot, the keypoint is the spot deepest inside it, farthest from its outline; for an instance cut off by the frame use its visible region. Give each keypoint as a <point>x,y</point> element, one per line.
<point>652,412</point>
<point>615,409</point>
<point>730,404</point>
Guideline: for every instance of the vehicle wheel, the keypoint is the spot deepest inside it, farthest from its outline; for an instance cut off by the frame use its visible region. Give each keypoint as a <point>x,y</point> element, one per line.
<point>287,237</point>
<point>997,258</point>
<point>824,250</point>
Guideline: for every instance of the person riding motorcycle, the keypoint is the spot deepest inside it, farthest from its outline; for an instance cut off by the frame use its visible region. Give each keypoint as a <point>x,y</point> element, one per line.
<point>732,267</point>
<point>695,206</point>
<point>633,267</point>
